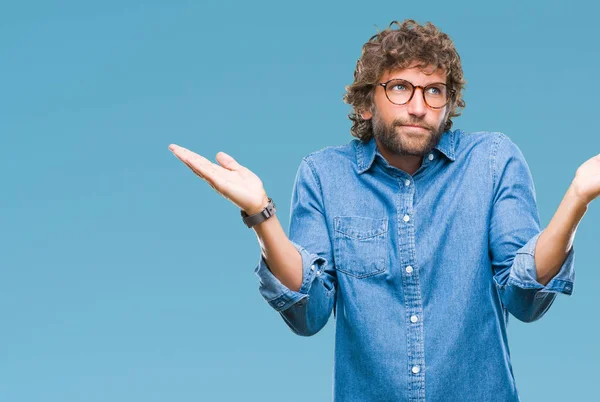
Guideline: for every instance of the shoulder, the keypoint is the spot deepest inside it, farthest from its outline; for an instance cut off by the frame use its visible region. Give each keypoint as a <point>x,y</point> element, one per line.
<point>333,156</point>
<point>494,144</point>
<point>480,138</point>
<point>505,158</point>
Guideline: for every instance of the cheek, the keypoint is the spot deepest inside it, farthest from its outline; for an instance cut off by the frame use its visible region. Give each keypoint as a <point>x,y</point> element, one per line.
<point>388,113</point>
<point>440,116</point>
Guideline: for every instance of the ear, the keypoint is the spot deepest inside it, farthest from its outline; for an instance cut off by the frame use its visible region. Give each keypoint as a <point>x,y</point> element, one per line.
<point>366,115</point>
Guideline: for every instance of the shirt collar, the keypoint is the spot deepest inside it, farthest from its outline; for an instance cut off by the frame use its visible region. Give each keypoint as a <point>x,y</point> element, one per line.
<point>366,151</point>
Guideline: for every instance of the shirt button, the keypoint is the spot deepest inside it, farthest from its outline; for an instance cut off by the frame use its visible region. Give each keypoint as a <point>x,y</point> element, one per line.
<point>414,318</point>
<point>312,267</point>
<point>406,218</point>
<point>407,182</point>
<point>409,269</point>
<point>430,157</point>
<point>280,304</point>
<point>416,369</point>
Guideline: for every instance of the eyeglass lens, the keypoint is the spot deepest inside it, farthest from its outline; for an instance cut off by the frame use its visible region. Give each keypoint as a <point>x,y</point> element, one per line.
<point>400,91</point>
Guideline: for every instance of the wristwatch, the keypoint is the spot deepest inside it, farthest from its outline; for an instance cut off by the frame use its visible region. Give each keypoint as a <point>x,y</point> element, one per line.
<point>266,213</point>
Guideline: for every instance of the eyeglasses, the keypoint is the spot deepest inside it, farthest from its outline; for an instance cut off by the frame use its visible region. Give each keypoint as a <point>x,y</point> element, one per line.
<point>400,92</point>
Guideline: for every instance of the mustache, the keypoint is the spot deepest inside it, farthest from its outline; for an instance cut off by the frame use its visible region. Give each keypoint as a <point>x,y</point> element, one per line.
<point>416,123</point>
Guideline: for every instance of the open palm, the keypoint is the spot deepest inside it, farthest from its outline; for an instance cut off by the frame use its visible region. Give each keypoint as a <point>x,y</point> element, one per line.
<point>232,180</point>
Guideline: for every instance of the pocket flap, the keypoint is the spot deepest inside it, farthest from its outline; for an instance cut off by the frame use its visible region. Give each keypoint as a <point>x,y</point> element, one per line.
<point>360,227</point>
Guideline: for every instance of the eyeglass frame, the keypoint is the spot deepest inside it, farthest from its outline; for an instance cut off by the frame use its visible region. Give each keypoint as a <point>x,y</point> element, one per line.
<point>449,92</point>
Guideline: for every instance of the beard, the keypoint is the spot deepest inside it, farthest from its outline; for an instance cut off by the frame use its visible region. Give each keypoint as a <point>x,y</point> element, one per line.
<point>395,138</point>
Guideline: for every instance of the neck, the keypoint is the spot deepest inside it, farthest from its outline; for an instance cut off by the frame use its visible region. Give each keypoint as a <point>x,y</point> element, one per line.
<point>407,163</point>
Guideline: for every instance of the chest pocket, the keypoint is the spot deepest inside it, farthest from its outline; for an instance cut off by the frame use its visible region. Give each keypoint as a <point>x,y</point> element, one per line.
<point>360,245</point>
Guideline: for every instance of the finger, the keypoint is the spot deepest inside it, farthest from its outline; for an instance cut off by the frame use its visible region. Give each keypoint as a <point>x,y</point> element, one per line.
<point>199,164</point>
<point>212,173</point>
<point>212,181</point>
<point>184,153</point>
<point>193,169</point>
<point>227,161</point>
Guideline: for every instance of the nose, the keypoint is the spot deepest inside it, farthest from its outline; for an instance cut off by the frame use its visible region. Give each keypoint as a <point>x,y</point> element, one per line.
<point>417,106</point>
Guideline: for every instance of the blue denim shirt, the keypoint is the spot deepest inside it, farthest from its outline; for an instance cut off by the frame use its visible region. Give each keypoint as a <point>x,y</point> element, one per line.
<point>420,271</point>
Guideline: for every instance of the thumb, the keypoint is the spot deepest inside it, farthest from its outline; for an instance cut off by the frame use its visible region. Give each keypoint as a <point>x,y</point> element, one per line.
<point>227,161</point>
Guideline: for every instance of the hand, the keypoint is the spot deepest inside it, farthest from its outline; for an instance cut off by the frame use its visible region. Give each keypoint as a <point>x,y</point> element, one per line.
<point>233,181</point>
<point>587,180</point>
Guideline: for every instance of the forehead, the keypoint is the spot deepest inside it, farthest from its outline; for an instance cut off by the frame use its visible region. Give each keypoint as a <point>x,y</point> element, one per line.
<point>416,75</point>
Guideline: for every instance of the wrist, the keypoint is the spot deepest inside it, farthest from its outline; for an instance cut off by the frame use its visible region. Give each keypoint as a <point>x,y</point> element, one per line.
<point>258,208</point>
<point>575,195</point>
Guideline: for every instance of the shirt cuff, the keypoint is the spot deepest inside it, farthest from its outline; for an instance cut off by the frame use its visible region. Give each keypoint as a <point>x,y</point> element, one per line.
<point>524,275</point>
<point>279,296</point>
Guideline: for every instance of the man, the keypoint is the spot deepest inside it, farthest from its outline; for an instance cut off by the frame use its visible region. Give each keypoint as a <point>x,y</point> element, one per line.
<point>419,238</point>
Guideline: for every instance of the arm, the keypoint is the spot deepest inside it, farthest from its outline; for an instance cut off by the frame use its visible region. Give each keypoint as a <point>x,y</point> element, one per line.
<point>556,240</point>
<point>280,255</point>
<point>299,282</point>
<point>513,237</point>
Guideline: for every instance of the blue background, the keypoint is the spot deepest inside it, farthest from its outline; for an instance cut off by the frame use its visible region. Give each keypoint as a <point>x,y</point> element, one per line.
<point>125,277</point>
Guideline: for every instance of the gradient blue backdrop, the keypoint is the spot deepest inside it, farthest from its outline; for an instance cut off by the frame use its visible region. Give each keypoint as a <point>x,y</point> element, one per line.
<point>125,277</point>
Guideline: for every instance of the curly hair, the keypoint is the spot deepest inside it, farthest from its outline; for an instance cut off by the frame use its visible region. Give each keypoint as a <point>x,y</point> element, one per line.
<point>396,49</point>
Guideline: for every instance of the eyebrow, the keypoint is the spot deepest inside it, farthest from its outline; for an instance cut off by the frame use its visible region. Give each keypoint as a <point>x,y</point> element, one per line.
<point>429,83</point>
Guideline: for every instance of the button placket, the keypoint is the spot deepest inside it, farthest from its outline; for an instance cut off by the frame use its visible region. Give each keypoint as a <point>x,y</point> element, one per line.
<point>413,302</point>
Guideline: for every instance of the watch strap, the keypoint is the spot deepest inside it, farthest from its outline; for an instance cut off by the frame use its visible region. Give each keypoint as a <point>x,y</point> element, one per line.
<point>266,213</point>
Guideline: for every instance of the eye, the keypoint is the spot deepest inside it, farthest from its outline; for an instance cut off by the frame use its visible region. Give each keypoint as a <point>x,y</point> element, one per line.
<point>398,87</point>
<point>435,90</point>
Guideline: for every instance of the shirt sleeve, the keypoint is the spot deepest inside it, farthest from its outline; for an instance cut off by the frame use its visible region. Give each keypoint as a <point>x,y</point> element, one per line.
<point>307,310</point>
<point>513,234</point>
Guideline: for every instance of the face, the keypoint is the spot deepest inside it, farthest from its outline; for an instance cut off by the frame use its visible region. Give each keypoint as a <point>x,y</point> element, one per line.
<point>391,123</point>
